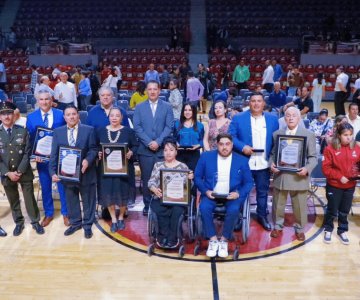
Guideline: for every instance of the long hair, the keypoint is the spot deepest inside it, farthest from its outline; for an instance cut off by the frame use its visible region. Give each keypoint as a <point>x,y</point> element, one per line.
<point>336,142</point>
<point>140,87</point>
<point>194,115</point>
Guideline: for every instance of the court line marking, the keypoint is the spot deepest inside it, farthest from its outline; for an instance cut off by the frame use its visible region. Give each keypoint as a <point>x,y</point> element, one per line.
<point>214,279</point>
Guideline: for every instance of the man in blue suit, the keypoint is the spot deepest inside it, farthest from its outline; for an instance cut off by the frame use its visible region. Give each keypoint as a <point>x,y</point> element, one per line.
<point>81,136</point>
<point>252,132</point>
<point>153,121</point>
<point>222,171</point>
<point>51,118</point>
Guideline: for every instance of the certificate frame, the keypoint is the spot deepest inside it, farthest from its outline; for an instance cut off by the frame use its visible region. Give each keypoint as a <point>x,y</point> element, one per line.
<point>166,176</point>
<point>41,132</point>
<point>64,151</point>
<point>107,149</point>
<point>282,141</point>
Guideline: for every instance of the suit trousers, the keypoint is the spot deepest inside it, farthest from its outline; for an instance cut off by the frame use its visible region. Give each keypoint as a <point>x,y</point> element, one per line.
<point>46,191</point>
<point>262,183</point>
<point>12,193</point>
<point>299,206</point>
<point>88,197</point>
<point>339,101</point>
<point>339,205</point>
<point>146,167</point>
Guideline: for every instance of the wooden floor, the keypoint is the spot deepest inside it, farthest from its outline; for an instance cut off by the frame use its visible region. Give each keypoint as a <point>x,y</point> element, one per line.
<point>52,266</point>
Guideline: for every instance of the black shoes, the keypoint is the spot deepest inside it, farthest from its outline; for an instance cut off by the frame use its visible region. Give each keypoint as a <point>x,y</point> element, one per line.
<point>145,211</point>
<point>264,223</point>
<point>71,230</point>
<point>2,232</point>
<point>38,228</point>
<point>88,233</point>
<point>18,229</point>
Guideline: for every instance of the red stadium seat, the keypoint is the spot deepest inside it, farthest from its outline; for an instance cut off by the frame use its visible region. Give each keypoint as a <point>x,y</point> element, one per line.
<point>320,68</point>
<point>330,69</point>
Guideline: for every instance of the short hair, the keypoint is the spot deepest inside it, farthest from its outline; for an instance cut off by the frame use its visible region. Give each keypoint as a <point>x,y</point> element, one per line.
<point>293,109</point>
<point>232,91</point>
<point>257,94</point>
<point>353,104</point>
<point>33,66</point>
<point>43,92</point>
<point>116,108</point>
<point>190,73</point>
<point>153,81</point>
<point>277,83</point>
<point>223,136</point>
<point>42,78</point>
<point>64,73</point>
<point>106,88</point>
<point>71,106</point>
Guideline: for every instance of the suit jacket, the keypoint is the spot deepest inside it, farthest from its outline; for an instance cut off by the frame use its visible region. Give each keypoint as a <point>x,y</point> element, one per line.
<point>240,129</point>
<point>240,175</point>
<point>35,120</point>
<point>15,153</point>
<point>86,141</point>
<point>149,128</point>
<point>289,180</point>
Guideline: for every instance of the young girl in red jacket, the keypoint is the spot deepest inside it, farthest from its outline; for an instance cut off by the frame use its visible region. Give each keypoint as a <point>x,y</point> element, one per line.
<point>339,166</point>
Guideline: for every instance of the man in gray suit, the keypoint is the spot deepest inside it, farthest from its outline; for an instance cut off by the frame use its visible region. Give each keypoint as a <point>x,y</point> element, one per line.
<point>294,183</point>
<point>153,121</point>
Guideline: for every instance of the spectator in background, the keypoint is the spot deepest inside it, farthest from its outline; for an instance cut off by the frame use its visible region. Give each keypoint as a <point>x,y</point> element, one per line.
<point>353,117</point>
<point>140,94</point>
<point>268,77</point>
<point>320,127</point>
<point>202,75</point>
<point>174,37</point>
<point>304,103</point>
<point>184,69</point>
<point>241,75</point>
<point>340,91</point>
<point>288,76</point>
<point>175,98</point>
<point>278,71</point>
<point>34,78</point>
<point>295,81</point>
<point>2,75</point>
<point>76,77</point>
<point>151,74</point>
<point>84,91</point>
<point>340,119</point>
<point>3,96</point>
<point>113,79</point>
<point>277,98</point>
<point>95,85</point>
<point>64,92</point>
<point>226,95</point>
<point>318,91</point>
<point>225,76</point>
<point>186,38</point>
<point>194,88</point>
<point>164,77</point>
<point>44,86</point>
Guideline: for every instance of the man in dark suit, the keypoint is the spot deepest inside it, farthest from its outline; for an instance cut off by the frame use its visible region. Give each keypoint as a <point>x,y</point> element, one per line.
<point>222,171</point>
<point>252,133</point>
<point>51,118</point>
<point>153,121</point>
<point>15,168</point>
<point>81,136</point>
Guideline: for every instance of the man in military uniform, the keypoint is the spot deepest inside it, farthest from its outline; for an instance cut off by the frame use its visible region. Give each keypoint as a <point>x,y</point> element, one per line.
<point>15,168</point>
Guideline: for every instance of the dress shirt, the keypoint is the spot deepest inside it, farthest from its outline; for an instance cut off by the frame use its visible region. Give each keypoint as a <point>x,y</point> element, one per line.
<point>343,79</point>
<point>288,131</point>
<point>223,179</point>
<point>151,75</point>
<point>68,93</point>
<point>257,160</point>
<point>268,76</point>
<point>50,117</point>
<point>194,89</point>
<point>153,106</point>
<point>357,84</point>
<point>355,124</point>
<point>75,132</point>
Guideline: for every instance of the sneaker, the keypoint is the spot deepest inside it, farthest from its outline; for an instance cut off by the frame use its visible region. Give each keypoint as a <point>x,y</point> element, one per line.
<point>212,248</point>
<point>343,238</point>
<point>223,249</point>
<point>121,224</point>
<point>327,237</point>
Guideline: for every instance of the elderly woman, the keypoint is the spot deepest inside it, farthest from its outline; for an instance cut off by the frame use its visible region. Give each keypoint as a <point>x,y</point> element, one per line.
<point>168,216</point>
<point>115,190</point>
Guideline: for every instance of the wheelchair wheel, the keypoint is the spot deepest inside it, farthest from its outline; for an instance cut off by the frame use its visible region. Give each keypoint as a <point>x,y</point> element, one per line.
<point>198,222</point>
<point>182,251</point>
<point>236,254</point>
<point>192,219</point>
<point>246,220</point>
<point>152,225</point>
<point>197,249</point>
<point>151,249</point>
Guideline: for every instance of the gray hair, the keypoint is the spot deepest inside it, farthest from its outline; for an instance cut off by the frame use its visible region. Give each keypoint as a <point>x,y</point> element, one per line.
<point>295,110</point>
<point>106,89</point>
<point>43,92</point>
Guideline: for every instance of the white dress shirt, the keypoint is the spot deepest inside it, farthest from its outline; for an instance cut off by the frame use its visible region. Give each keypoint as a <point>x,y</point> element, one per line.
<point>343,79</point>
<point>153,106</point>
<point>357,84</point>
<point>291,132</point>
<point>355,124</point>
<point>257,160</point>
<point>223,179</point>
<point>50,117</point>
<point>68,92</point>
<point>268,76</point>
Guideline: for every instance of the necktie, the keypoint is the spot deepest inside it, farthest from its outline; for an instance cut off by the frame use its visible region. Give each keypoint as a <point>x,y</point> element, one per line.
<point>71,138</point>
<point>46,120</point>
<point>9,132</point>
<point>153,109</point>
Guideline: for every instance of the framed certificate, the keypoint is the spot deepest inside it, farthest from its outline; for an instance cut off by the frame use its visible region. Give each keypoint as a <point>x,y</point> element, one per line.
<point>175,187</point>
<point>115,162</point>
<point>290,152</point>
<point>42,143</point>
<point>69,163</point>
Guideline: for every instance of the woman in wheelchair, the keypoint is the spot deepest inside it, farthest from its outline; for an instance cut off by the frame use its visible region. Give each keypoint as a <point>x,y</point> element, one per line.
<point>168,216</point>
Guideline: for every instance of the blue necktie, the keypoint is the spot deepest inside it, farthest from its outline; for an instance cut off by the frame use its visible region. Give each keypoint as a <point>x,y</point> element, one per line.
<point>72,139</point>
<point>46,120</point>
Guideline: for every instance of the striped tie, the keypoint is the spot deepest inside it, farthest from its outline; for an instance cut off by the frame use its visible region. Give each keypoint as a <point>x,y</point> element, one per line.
<point>46,120</point>
<point>71,138</point>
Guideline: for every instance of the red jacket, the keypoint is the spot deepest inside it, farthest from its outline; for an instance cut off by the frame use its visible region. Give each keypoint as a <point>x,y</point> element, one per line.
<point>339,163</point>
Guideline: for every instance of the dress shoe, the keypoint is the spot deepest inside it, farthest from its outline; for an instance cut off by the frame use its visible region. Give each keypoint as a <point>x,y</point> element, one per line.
<point>71,230</point>
<point>275,233</point>
<point>38,228</point>
<point>46,221</point>
<point>145,211</point>
<point>121,224</point>
<point>300,236</point>
<point>264,223</point>
<point>88,233</point>
<point>2,232</point>
<point>66,221</point>
<point>18,229</point>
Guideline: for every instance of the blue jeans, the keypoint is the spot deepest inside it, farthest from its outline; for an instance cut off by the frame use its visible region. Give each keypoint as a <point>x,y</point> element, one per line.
<point>262,183</point>
<point>207,207</point>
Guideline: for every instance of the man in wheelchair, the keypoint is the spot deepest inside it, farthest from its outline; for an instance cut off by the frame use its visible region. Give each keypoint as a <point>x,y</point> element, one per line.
<point>222,175</point>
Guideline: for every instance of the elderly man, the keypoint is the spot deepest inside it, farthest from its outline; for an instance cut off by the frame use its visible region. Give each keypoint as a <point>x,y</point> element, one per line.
<point>353,117</point>
<point>340,96</point>
<point>304,103</point>
<point>277,98</point>
<point>65,92</point>
<point>252,133</point>
<point>295,184</point>
<point>153,120</point>
<point>224,172</point>
<point>44,86</point>
<point>268,77</point>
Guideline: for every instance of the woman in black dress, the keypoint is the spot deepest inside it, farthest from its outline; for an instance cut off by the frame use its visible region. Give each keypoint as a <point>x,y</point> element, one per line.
<point>114,191</point>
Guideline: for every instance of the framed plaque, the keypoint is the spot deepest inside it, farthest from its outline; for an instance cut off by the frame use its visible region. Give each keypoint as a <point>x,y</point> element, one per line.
<point>115,162</point>
<point>175,187</point>
<point>69,163</point>
<point>290,152</point>
<point>42,143</point>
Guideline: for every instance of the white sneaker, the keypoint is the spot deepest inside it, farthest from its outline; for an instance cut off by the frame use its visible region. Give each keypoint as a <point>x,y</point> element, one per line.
<point>343,238</point>
<point>212,248</point>
<point>223,249</point>
<point>327,237</point>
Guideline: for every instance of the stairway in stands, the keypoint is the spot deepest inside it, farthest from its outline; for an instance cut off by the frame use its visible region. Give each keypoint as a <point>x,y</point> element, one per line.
<point>8,14</point>
<point>197,52</point>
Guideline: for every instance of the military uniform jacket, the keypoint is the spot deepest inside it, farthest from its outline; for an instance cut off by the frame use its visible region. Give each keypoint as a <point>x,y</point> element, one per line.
<point>15,153</point>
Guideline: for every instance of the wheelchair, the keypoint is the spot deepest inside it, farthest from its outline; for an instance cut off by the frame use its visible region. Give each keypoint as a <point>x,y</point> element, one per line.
<point>188,219</point>
<point>242,223</point>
